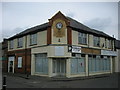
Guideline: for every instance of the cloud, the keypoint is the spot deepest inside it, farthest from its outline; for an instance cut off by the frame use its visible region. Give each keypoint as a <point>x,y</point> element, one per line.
<point>8,33</point>
<point>99,23</point>
<point>70,14</point>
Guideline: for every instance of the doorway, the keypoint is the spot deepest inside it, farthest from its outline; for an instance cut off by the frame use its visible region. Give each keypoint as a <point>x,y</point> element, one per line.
<point>59,67</point>
<point>11,64</point>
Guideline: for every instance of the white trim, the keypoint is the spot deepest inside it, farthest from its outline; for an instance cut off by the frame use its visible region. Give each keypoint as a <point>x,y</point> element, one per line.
<point>87,63</point>
<point>37,74</point>
<point>111,61</point>
<point>98,73</point>
<point>78,75</point>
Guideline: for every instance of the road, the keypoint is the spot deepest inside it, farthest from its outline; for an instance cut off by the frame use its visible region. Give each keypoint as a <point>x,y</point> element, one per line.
<point>110,81</point>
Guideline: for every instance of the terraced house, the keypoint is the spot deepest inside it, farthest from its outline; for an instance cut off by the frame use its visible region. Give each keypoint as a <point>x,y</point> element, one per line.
<point>61,47</point>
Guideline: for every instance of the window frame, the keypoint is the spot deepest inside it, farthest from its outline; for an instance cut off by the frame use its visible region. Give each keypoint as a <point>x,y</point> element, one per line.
<point>43,60</point>
<point>20,42</point>
<point>105,43</point>
<point>11,44</point>
<point>109,44</point>
<point>83,37</point>
<point>95,40</point>
<point>20,61</point>
<point>32,38</point>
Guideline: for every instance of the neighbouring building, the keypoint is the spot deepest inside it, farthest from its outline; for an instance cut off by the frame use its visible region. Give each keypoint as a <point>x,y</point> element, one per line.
<point>117,61</point>
<point>4,55</point>
<point>61,47</point>
<point>0,58</point>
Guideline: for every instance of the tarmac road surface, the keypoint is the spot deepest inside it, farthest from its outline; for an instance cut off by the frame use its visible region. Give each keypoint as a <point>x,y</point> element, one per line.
<point>16,81</point>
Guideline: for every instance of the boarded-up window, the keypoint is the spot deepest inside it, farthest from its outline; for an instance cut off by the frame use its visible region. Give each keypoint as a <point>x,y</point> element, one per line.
<point>77,65</point>
<point>99,63</point>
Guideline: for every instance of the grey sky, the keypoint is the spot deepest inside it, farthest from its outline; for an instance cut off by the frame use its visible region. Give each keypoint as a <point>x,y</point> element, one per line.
<point>119,21</point>
<point>18,16</point>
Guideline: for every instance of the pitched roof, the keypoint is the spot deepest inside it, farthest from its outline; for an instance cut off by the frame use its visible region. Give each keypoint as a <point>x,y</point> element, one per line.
<point>80,27</point>
<point>35,29</point>
<point>75,25</point>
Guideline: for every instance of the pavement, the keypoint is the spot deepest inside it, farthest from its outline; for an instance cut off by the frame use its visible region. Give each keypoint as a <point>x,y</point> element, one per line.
<point>22,81</point>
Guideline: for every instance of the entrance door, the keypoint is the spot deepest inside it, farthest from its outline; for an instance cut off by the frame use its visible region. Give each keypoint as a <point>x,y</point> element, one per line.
<point>59,67</point>
<point>11,64</point>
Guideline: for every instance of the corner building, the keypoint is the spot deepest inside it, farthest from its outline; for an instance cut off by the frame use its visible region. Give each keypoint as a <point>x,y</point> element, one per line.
<point>61,47</point>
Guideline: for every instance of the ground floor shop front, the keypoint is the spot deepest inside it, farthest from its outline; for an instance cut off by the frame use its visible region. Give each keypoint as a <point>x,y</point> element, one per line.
<point>60,61</point>
<point>76,66</point>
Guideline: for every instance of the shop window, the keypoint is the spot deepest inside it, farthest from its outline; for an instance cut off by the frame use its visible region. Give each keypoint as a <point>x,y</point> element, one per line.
<point>82,38</point>
<point>41,63</point>
<point>33,39</point>
<point>99,63</point>
<point>90,63</point>
<point>108,64</point>
<point>20,42</point>
<point>19,62</point>
<point>77,65</point>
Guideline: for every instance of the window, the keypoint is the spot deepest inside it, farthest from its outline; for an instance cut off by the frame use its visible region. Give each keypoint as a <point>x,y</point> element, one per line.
<point>82,38</point>
<point>96,41</point>
<point>11,45</point>
<point>20,42</point>
<point>19,62</point>
<point>77,65</point>
<point>99,64</point>
<point>33,39</point>
<point>105,43</point>
<point>41,63</point>
<point>109,43</point>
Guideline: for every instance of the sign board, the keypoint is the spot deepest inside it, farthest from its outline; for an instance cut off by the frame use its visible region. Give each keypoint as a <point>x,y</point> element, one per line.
<point>11,58</point>
<point>74,49</point>
<point>109,53</point>
<point>59,50</point>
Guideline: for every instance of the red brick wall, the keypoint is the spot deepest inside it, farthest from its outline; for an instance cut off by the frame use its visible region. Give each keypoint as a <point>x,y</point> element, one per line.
<point>26,60</point>
<point>69,35</point>
<point>4,65</point>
